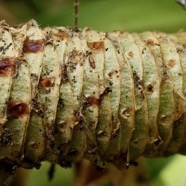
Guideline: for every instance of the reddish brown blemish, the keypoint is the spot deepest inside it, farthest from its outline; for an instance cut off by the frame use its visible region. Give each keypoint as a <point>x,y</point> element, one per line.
<point>46,82</point>
<point>61,35</point>
<point>96,45</point>
<point>92,62</point>
<point>150,88</point>
<point>131,54</point>
<point>92,100</point>
<point>6,66</point>
<point>150,42</point>
<point>110,74</point>
<point>171,63</point>
<point>33,46</point>
<point>17,108</point>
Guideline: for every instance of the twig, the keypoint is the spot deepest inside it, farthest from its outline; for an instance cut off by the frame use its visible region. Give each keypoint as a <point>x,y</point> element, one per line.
<point>76,4</point>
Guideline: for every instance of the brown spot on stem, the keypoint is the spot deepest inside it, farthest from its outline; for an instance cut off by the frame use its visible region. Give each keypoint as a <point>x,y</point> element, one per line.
<point>150,42</point>
<point>92,62</point>
<point>62,35</point>
<point>91,100</point>
<point>131,54</point>
<point>6,66</point>
<point>33,46</point>
<point>171,63</point>
<point>99,45</point>
<point>150,88</point>
<point>17,108</point>
<point>46,82</point>
<point>110,74</point>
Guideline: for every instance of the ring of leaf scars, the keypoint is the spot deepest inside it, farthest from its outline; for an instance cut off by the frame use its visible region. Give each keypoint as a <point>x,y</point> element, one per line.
<point>112,97</point>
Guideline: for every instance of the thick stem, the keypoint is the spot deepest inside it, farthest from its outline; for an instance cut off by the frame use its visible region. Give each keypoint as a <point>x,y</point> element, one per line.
<point>105,97</point>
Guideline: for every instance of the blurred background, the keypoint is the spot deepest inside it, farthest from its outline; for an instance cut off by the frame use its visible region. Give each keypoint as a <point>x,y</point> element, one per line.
<point>105,15</point>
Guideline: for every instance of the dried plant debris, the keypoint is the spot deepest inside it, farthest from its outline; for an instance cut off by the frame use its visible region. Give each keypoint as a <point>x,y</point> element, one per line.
<point>69,95</point>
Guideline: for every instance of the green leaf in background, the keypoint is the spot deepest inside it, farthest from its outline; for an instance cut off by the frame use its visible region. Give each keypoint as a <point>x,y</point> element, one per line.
<point>131,15</point>
<point>104,15</point>
<point>156,164</point>
<point>40,177</point>
<point>173,174</point>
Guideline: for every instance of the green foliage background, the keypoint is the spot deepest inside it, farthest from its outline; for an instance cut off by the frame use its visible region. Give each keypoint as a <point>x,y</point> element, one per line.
<point>105,15</point>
